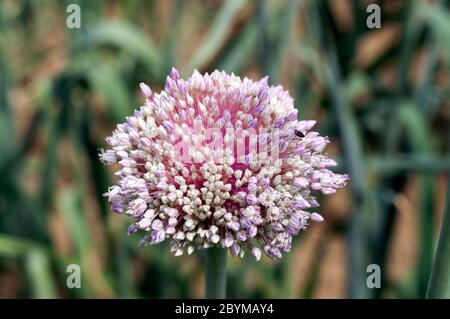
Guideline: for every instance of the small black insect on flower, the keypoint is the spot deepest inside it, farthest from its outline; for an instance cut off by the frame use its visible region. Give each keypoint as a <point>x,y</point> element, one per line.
<point>299,133</point>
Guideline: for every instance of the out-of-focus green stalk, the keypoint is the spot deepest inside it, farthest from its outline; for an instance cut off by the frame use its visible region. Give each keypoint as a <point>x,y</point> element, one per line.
<point>272,45</point>
<point>37,264</point>
<point>353,154</point>
<point>7,134</point>
<point>412,120</point>
<point>393,183</point>
<point>242,47</point>
<point>38,260</point>
<point>409,39</point>
<point>216,36</point>
<point>439,283</point>
<point>265,45</point>
<point>215,272</point>
<point>171,42</point>
<point>314,269</point>
<point>408,163</point>
<point>416,132</point>
<point>403,163</point>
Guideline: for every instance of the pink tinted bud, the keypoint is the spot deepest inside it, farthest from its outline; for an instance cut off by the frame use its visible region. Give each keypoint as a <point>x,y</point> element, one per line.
<point>145,89</point>
<point>301,182</point>
<point>256,253</point>
<point>317,217</point>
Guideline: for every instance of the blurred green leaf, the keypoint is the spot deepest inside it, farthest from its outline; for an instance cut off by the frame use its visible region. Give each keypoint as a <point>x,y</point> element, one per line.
<point>357,84</point>
<point>439,284</point>
<point>413,121</point>
<point>14,247</point>
<point>6,127</point>
<point>37,264</point>
<point>70,206</point>
<point>242,47</point>
<point>273,45</point>
<point>356,164</point>
<point>39,273</point>
<point>437,17</point>
<point>129,39</point>
<point>107,81</point>
<point>216,35</point>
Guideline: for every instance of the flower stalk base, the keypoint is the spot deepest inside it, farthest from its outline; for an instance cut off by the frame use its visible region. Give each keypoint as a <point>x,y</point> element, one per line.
<point>215,272</point>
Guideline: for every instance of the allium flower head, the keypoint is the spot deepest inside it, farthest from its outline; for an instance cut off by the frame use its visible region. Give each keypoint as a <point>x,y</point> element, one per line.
<point>216,160</point>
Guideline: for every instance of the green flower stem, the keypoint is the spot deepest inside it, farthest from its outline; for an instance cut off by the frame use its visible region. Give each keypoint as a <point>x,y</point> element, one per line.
<point>215,272</point>
<point>439,284</point>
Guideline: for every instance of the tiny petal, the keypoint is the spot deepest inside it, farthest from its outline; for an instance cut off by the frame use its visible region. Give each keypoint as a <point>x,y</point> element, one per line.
<point>251,199</point>
<point>174,74</point>
<point>256,253</point>
<point>145,89</point>
<point>317,217</point>
<point>301,182</point>
<point>241,235</point>
<point>215,238</point>
<point>178,252</point>
<point>228,242</point>
<point>144,223</point>
<point>132,229</point>
<point>157,224</point>
<point>235,249</point>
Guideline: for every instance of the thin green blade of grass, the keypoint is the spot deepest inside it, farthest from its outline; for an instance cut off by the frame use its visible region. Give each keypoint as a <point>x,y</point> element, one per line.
<point>57,126</point>
<point>265,45</point>
<point>216,35</point>
<point>107,81</point>
<point>350,133</point>
<point>12,246</point>
<point>129,39</point>
<point>272,47</point>
<point>437,17</point>
<point>124,258</point>
<point>353,153</point>
<point>71,207</point>
<point>171,41</point>
<point>6,127</point>
<point>39,272</point>
<point>413,122</point>
<point>439,283</point>
<point>95,176</point>
<point>409,41</point>
<point>98,173</point>
<point>236,57</point>
<point>37,264</point>
<point>69,204</point>
<point>381,165</point>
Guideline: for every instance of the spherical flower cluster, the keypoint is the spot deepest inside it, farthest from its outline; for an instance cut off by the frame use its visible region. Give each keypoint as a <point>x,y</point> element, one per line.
<point>179,184</point>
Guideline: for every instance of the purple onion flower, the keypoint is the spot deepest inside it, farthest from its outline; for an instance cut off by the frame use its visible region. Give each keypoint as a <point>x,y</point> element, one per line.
<point>210,196</point>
